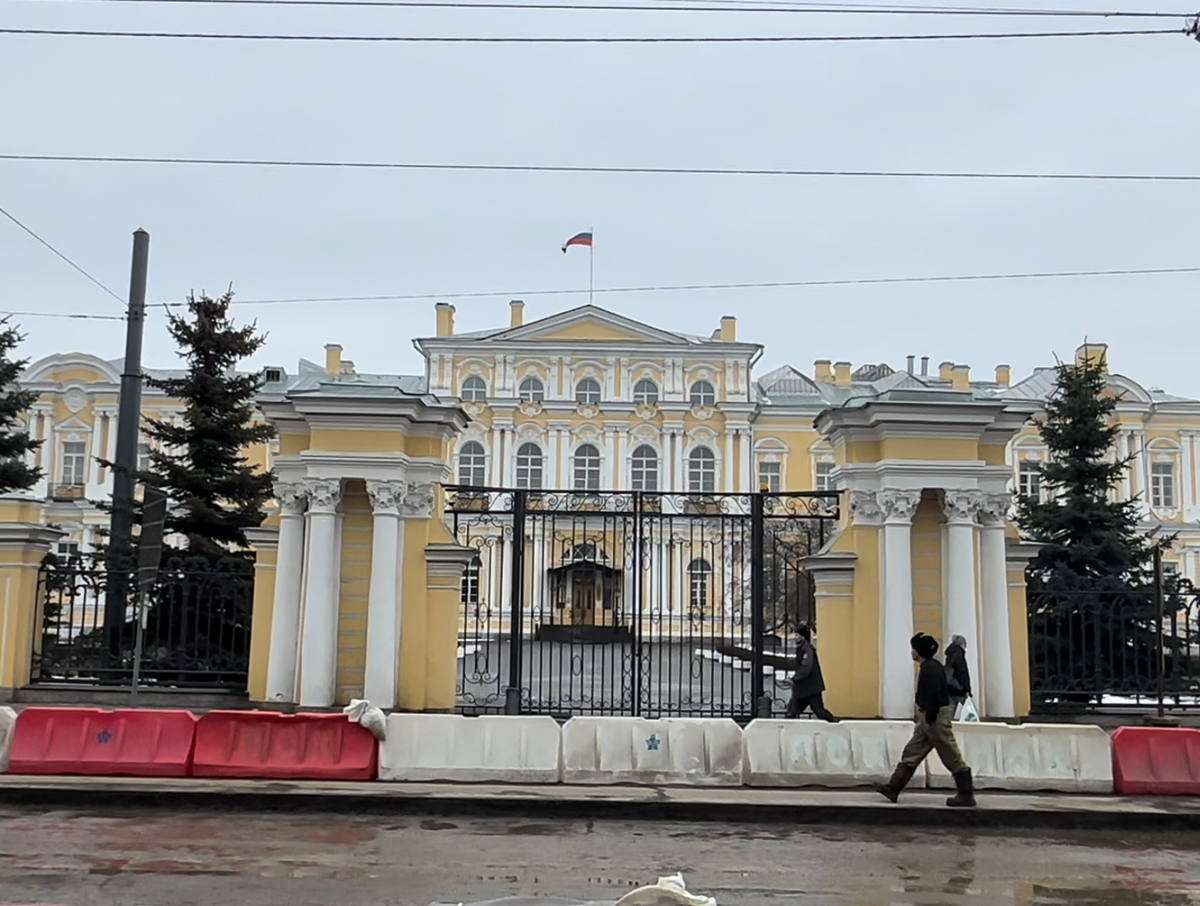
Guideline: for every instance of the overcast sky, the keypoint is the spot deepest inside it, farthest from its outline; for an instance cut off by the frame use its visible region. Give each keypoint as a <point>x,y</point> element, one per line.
<point>1106,105</point>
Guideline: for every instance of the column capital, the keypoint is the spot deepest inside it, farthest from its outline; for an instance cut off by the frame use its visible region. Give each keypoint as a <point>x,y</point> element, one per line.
<point>865,508</point>
<point>292,498</point>
<point>323,495</point>
<point>417,501</point>
<point>899,506</point>
<point>385,497</point>
<point>961,506</point>
<point>993,509</point>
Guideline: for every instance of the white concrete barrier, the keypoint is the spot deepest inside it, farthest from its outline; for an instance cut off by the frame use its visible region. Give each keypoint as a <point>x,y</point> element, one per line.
<point>689,751</point>
<point>8,729</point>
<point>450,747</point>
<point>1065,758</point>
<point>813,753</point>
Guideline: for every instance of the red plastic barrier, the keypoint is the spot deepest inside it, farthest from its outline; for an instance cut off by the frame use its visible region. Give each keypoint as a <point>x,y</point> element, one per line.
<point>284,746</point>
<point>101,743</point>
<point>1156,761</point>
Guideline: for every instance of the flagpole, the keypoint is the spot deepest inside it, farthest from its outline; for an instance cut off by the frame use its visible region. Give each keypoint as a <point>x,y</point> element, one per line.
<point>591,266</point>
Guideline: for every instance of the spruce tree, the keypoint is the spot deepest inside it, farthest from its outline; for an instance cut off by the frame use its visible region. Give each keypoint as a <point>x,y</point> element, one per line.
<point>15,473</point>
<point>200,615</point>
<point>1091,539</point>
<point>214,493</point>
<point>1091,605</point>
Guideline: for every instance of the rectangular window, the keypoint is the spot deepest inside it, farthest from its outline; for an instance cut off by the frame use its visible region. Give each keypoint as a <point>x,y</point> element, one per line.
<point>770,477</point>
<point>1029,479</point>
<point>67,551</point>
<point>74,464</point>
<point>143,461</point>
<point>1162,485</point>
<point>824,476</point>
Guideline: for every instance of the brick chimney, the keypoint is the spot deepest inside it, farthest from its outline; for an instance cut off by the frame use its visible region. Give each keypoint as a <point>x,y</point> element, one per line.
<point>516,313</point>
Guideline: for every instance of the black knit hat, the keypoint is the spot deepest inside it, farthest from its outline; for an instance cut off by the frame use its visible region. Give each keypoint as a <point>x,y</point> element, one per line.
<point>924,645</point>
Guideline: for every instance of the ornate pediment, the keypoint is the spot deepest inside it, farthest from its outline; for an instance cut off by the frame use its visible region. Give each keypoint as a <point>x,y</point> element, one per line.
<point>588,323</point>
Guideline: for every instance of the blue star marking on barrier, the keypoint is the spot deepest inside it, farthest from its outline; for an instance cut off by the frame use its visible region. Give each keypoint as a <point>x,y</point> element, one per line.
<point>103,737</point>
<point>652,743</point>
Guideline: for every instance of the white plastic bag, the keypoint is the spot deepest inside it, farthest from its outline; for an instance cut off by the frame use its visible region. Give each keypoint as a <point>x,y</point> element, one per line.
<point>363,712</point>
<point>967,713</point>
<point>669,891</point>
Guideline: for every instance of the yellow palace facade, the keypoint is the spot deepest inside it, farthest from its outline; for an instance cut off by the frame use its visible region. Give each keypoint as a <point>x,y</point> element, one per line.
<point>922,460</point>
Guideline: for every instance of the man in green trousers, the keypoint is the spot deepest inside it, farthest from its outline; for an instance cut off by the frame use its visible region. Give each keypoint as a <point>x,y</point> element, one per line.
<point>934,730</point>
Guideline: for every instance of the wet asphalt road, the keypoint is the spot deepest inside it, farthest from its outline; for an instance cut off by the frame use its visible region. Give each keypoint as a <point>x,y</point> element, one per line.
<point>159,858</point>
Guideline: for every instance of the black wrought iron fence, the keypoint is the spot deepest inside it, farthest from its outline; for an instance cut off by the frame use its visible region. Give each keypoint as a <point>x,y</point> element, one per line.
<point>630,602</point>
<point>1115,649</point>
<point>192,630</point>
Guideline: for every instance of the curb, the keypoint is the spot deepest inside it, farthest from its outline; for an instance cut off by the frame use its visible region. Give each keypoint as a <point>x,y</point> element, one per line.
<point>735,805</point>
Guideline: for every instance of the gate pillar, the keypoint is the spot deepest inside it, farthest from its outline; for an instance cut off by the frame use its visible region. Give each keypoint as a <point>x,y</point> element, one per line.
<point>24,544</point>
<point>833,603</point>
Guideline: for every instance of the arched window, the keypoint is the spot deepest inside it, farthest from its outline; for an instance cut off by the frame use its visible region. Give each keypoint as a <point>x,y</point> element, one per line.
<point>472,465</point>
<point>470,582</point>
<point>532,390</point>
<point>587,468</point>
<point>645,392</point>
<point>474,389</point>
<point>702,471</point>
<point>645,469</point>
<point>529,466</point>
<point>703,394</point>
<point>587,391</point>
<point>699,573</point>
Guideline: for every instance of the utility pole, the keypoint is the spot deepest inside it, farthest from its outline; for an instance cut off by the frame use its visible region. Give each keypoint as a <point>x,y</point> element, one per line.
<point>129,416</point>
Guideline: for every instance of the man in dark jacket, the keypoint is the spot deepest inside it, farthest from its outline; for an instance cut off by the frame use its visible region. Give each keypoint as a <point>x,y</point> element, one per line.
<point>807,682</point>
<point>934,730</point>
<point>958,675</point>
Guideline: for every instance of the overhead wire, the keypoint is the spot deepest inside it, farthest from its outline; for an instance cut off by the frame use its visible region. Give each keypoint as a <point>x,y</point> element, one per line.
<point>631,170</point>
<point>546,39</point>
<point>74,316</point>
<point>742,6</point>
<point>60,254</point>
<point>692,287</point>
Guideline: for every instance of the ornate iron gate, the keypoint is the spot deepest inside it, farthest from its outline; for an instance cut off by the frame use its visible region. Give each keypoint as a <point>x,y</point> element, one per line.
<point>633,603</point>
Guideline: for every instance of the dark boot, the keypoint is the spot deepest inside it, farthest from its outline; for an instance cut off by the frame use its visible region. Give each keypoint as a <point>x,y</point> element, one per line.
<point>900,778</point>
<point>965,797</point>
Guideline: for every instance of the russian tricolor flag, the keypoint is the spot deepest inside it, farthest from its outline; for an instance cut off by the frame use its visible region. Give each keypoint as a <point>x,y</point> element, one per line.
<point>578,239</point>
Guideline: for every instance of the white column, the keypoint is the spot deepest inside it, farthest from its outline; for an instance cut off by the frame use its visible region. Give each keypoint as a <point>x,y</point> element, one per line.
<point>728,482</point>
<point>384,595</point>
<point>1136,484</point>
<point>49,448</point>
<point>285,616</point>
<point>318,645</point>
<point>92,475</point>
<point>896,666</point>
<point>1186,497</point>
<point>681,475</point>
<point>960,605</point>
<point>1122,444</point>
<point>996,643</point>
<point>747,464</point>
<point>554,457</point>
<point>608,465</point>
